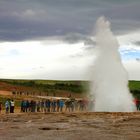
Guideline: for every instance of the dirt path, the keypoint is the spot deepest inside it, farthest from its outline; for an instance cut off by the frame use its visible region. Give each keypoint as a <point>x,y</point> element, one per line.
<point>70,126</point>
<point>5,93</point>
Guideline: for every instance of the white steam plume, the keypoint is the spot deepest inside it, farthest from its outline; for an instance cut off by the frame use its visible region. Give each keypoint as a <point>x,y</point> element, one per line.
<point>109,78</point>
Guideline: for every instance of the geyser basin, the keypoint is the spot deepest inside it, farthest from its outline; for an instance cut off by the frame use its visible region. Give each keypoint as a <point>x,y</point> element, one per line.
<point>109,77</point>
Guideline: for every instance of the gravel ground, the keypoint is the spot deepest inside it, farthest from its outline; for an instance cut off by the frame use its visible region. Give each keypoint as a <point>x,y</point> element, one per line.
<point>70,126</point>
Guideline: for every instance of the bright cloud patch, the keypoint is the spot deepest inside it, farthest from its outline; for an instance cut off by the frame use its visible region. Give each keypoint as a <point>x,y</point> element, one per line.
<point>59,59</point>
<point>30,59</point>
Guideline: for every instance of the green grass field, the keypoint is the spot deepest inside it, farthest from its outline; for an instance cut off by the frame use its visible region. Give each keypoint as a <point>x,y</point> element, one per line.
<point>72,86</point>
<point>51,86</point>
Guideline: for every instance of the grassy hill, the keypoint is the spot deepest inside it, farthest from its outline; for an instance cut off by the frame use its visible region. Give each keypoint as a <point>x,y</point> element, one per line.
<point>54,87</point>
<point>135,88</point>
<point>46,87</point>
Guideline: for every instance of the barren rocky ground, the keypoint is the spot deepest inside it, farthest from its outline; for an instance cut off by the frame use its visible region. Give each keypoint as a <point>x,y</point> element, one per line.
<point>70,126</point>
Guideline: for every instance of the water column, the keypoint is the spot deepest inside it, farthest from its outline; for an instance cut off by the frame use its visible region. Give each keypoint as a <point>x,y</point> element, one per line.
<point>109,77</point>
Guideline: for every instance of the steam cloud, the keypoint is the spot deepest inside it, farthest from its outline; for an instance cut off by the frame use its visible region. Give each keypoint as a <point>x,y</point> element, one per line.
<point>109,77</point>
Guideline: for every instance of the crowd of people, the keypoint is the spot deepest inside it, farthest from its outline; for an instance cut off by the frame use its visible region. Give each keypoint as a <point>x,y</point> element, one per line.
<point>48,105</point>
<point>60,105</point>
<point>9,106</point>
<point>52,105</point>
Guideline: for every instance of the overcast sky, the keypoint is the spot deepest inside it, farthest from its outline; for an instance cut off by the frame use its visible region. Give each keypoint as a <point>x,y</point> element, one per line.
<point>53,39</point>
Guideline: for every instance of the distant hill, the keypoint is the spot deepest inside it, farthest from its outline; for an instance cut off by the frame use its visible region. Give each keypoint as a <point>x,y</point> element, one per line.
<point>45,87</point>
<point>54,87</point>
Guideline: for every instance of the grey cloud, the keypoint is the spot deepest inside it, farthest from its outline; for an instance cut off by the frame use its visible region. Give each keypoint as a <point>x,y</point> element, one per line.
<point>137,43</point>
<point>86,51</point>
<point>138,59</point>
<point>89,42</point>
<point>74,37</point>
<point>77,37</point>
<point>26,20</point>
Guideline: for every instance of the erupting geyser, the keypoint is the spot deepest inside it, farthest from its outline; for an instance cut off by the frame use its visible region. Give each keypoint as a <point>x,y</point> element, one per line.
<point>109,77</point>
